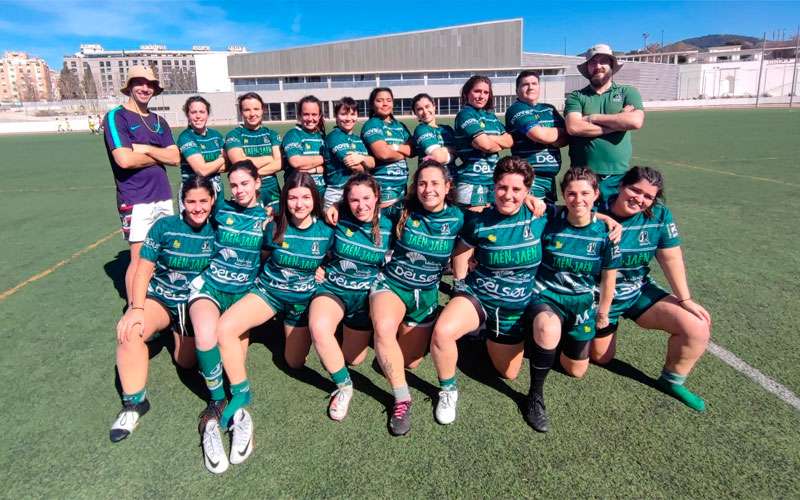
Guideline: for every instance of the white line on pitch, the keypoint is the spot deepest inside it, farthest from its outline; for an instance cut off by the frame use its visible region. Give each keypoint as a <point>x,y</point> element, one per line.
<point>764,381</point>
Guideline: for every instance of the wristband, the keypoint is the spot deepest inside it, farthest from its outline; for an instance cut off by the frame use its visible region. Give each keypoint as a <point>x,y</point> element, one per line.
<point>134,307</point>
<point>684,300</point>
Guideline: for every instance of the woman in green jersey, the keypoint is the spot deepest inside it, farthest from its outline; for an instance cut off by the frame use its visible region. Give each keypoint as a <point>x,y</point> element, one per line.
<point>649,231</point>
<point>389,142</point>
<point>239,225</point>
<point>479,138</point>
<point>202,148</point>
<point>347,152</point>
<point>304,145</point>
<point>432,141</point>
<point>176,249</point>
<point>578,260</point>
<point>404,299</point>
<point>261,145</point>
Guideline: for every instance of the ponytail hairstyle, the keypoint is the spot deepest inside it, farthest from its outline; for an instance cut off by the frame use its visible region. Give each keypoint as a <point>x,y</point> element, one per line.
<point>363,179</point>
<point>412,202</point>
<point>373,95</point>
<point>294,180</point>
<point>313,99</point>
<point>195,181</point>
<point>651,175</point>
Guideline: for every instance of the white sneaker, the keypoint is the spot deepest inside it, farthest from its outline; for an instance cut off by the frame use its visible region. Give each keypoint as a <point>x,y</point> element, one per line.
<point>446,407</point>
<point>127,420</point>
<point>340,403</point>
<point>242,440</point>
<point>213,450</point>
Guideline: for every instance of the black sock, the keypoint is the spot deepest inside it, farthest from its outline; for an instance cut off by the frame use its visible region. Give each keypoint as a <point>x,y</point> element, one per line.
<point>541,361</point>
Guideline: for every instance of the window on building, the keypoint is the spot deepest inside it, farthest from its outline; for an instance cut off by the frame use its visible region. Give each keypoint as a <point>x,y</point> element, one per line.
<point>291,110</point>
<point>292,79</point>
<point>363,108</point>
<point>273,112</point>
<point>314,79</point>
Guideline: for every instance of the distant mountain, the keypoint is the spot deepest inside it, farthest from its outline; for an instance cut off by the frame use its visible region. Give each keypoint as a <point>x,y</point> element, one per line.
<point>704,42</point>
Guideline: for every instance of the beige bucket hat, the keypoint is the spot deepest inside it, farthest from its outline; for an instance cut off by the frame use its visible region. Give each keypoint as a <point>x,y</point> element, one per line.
<point>141,72</point>
<point>596,50</point>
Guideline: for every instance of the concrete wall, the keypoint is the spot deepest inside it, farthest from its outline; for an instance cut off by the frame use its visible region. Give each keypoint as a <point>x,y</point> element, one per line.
<point>737,79</point>
<point>212,73</point>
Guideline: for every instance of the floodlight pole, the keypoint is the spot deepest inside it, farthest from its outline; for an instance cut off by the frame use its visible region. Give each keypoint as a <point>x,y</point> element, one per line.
<point>794,70</point>
<point>760,69</point>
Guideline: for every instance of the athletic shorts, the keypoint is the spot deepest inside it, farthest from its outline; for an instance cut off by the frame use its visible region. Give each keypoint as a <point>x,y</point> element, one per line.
<point>422,306</point>
<point>179,321</point>
<point>633,307</point>
<point>609,185</point>
<point>293,307</point>
<point>354,302</point>
<point>270,192</point>
<point>393,194</point>
<point>333,195</point>
<point>199,288</point>
<point>393,211</point>
<point>319,181</point>
<point>473,195</point>
<point>137,219</point>
<point>544,188</point>
<point>498,324</point>
<point>577,312</point>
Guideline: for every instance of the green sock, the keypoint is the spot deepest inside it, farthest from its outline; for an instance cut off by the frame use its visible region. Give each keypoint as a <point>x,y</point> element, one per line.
<point>135,398</point>
<point>341,377</point>
<point>448,384</point>
<point>211,369</point>
<point>240,396</point>
<point>672,384</point>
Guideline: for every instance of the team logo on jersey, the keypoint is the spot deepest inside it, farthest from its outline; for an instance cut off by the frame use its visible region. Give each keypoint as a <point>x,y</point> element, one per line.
<point>347,265</point>
<point>229,221</point>
<point>176,244</point>
<point>244,140</point>
<point>414,223</point>
<point>445,228</point>
<point>483,124</point>
<point>559,245</point>
<point>284,245</point>
<point>617,98</point>
<point>492,238</point>
<point>202,146</point>
<point>352,146</point>
<point>644,238</point>
<point>591,248</point>
<point>536,117</point>
<point>349,232</point>
<point>672,229</point>
<point>415,257</point>
<point>526,233</point>
<point>174,277</point>
<point>315,248</point>
<point>206,246</point>
<point>228,253</point>
<point>616,252</point>
<point>587,329</point>
<point>308,146</point>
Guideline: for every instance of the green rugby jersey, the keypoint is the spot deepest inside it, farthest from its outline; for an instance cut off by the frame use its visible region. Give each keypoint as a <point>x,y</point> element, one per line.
<point>508,250</point>
<point>292,263</point>
<point>574,257</point>
<point>355,258</point>
<point>209,145</point>
<point>521,117</point>
<point>179,252</point>
<point>392,176</point>
<point>422,252</point>
<point>428,138</point>
<point>255,143</point>
<point>641,237</point>
<point>339,143</point>
<point>237,247</point>
<point>299,142</point>
<point>476,166</point>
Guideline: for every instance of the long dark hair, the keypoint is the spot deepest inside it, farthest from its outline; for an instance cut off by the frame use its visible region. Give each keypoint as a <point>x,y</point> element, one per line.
<point>474,80</point>
<point>195,181</point>
<point>651,175</point>
<point>412,203</point>
<point>294,180</point>
<point>373,95</point>
<point>363,179</point>
<point>312,99</point>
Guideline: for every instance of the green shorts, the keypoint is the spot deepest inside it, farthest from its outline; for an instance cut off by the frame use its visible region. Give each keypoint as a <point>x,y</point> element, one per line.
<point>544,188</point>
<point>577,312</point>
<point>635,306</point>
<point>392,212</point>
<point>354,302</point>
<point>609,185</point>
<point>498,324</point>
<point>270,192</point>
<point>473,195</point>
<point>422,306</point>
<point>199,288</point>
<point>294,308</point>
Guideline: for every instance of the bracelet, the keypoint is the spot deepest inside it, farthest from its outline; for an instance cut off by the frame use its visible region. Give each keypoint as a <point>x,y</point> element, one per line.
<point>134,307</point>
<point>684,300</point>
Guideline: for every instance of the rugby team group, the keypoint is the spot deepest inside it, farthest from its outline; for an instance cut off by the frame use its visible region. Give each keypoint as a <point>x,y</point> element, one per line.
<point>350,254</point>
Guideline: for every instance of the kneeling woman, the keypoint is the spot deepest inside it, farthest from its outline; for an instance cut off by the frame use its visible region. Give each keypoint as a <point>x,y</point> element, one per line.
<point>404,299</point>
<point>649,231</point>
<point>505,241</point>
<point>295,243</point>
<point>577,259</point>
<point>177,249</point>
<point>361,239</point>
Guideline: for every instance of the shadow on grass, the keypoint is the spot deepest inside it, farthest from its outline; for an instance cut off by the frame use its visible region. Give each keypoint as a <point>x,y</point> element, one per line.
<point>474,362</point>
<point>115,269</point>
<point>627,370</point>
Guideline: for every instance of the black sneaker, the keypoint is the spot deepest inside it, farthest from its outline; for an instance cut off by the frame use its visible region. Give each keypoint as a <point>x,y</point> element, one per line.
<point>127,420</point>
<point>535,413</point>
<point>400,422</point>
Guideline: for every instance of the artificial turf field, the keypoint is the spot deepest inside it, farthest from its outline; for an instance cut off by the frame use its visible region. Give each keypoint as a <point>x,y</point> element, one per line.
<point>732,182</point>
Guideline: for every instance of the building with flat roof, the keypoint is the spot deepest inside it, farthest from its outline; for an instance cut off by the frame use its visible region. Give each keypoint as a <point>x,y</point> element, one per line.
<point>24,78</point>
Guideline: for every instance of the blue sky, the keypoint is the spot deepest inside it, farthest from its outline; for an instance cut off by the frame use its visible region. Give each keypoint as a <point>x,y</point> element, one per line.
<point>51,29</point>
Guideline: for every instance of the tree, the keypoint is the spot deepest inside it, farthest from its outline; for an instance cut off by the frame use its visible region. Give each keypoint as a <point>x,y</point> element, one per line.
<point>27,87</point>
<point>68,84</point>
<point>89,86</point>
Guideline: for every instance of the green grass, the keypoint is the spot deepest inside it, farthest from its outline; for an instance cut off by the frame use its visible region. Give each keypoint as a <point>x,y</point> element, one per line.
<point>612,433</point>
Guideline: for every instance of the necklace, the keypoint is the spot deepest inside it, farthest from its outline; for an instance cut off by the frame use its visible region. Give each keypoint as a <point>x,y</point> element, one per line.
<point>158,123</point>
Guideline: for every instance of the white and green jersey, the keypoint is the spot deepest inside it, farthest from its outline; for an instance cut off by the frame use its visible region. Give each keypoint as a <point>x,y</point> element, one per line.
<point>208,144</point>
<point>257,143</point>
<point>299,142</point>
<point>237,247</point>
<point>508,250</point>
<point>180,253</point>
<point>642,236</point>
<point>424,249</point>
<point>574,257</point>
<point>428,138</point>
<point>521,117</point>
<point>339,144</point>
<point>292,263</point>
<point>477,167</point>
<point>355,258</point>
<point>392,176</point>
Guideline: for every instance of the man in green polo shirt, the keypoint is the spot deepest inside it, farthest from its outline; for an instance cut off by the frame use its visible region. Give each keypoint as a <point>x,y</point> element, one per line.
<point>598,118</point>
